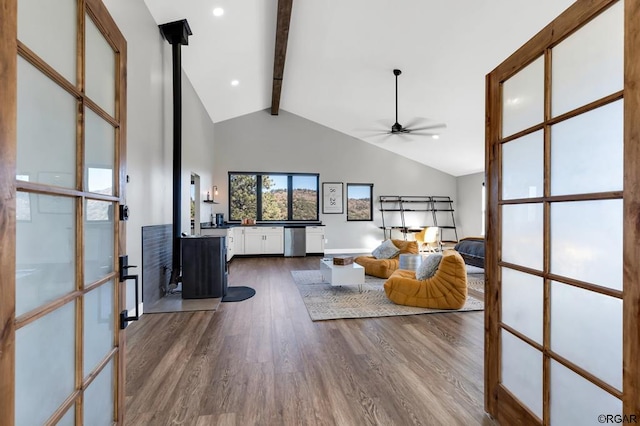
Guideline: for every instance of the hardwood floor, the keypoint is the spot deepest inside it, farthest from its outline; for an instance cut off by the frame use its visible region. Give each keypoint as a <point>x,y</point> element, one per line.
<point>264,362</point>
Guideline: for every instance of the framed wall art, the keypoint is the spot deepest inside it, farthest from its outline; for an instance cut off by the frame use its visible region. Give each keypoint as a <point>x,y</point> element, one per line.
<point>332,198</point>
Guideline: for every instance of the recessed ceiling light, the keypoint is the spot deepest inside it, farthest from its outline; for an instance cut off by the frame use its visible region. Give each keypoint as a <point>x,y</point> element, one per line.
<point>234,82</point>
<point>218,11</point>
<point>435,136</point>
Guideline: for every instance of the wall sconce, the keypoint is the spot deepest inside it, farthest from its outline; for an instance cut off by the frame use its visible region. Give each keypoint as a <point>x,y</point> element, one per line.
<point>212,199</point>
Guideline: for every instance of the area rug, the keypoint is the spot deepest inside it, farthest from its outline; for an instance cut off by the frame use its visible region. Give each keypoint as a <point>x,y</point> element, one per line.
<point>325,302</point>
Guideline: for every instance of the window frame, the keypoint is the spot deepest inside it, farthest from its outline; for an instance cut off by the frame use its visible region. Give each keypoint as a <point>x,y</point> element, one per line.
<point>258,214</point>
<point>350,217</point>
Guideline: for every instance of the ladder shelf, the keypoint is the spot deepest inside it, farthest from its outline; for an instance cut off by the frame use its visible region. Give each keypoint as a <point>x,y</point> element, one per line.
<point>412,213</point>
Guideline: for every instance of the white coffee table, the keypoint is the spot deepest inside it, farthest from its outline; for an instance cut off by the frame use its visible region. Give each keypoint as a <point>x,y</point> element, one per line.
<point>338,275</point>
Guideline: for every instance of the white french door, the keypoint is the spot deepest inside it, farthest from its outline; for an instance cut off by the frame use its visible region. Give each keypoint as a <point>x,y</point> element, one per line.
<point>62,118</point>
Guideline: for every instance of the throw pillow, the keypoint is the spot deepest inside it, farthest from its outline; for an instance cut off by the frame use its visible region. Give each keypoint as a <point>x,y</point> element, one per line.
<point>386,250</point>
<point>428,267</point>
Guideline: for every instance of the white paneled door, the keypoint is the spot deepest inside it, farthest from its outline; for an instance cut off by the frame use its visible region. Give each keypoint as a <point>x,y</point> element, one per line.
<point>562,239</point>
<point>62,139</point>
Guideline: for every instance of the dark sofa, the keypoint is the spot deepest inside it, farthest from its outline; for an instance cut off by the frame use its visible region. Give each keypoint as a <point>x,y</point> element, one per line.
<point>472,251</point>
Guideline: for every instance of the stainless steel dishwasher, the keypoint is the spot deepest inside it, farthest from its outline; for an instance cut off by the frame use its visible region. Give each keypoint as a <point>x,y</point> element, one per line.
<point>295,241</point>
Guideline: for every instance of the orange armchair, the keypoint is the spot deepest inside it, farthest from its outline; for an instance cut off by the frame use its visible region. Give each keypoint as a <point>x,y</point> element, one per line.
<point>447,289</point>
<point>383,268</point>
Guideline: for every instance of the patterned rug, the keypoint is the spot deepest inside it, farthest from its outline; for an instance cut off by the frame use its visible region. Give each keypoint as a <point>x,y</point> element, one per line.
<point>325,302</point>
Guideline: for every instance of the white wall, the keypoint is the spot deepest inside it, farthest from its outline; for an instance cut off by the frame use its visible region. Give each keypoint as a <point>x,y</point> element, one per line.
<point>470,205</point>
<point>260,142</point>
<point>149,128</point>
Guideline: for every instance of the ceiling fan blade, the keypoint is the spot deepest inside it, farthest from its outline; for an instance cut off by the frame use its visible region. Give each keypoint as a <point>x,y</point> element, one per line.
<point>429,127</point>
<point>415,121</point>
<point>424,134</point>
<point>375,134</point>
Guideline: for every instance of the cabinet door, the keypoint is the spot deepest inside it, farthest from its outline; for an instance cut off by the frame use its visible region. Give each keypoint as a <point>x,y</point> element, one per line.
<point>315,243</point>
<point>253,243</point>
<point>315,239</point>
<point>230,244</point>
<point>238,241</point>
<point>273,243</point>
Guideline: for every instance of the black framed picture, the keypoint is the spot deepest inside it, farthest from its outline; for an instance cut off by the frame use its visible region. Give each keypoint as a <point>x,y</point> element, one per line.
<point>359,201</point>
<point>332,198</point>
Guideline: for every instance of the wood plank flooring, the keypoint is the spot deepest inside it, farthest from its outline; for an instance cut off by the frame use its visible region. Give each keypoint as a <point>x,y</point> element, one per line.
<point>264,362</point>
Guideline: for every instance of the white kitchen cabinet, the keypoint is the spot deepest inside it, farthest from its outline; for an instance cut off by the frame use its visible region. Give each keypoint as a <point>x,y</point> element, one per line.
<point>230,244</point>
<point>264,240</point>
<point>315,239</point>
<point>238,240</point>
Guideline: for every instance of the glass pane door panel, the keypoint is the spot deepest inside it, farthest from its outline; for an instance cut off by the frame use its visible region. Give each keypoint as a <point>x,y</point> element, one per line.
<point>45,365</point>
<point>588,65</point>
<point>522,371</point>
<point>98,325</point>
<point>576,401</point>
<point>68,419</point>
<point>99,398</point>
<point>522,297</point>
<point>523,99</point>
<point>522,234</point>
<point>46,129</point>
<point>100,72</point>
<point>522,167</point>
<point>586,241</point>
<point>99,232</point>
<point>45,252</point>
<point>586,329</point>
<point>587,152</point>
<point>99,154</point>
<point>49,29</point>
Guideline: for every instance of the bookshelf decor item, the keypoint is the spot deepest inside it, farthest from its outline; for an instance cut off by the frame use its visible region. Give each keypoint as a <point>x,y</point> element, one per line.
<point>332,198</point>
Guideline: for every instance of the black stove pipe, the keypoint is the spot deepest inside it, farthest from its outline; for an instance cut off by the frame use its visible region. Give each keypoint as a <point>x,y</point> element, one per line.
<point>177,34</point>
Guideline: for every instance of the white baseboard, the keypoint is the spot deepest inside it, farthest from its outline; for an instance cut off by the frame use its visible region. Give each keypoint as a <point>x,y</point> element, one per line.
<point>140,309</point>
<point>347,251</point>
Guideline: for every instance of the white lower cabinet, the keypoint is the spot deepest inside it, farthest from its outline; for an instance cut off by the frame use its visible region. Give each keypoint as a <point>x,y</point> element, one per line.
<point>263,240</point>
<point>230,244</point>
<point>315,239</point>
<point>238,240</point>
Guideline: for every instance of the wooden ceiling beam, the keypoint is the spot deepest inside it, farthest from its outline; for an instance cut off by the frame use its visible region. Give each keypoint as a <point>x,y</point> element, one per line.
<point>282,37</point>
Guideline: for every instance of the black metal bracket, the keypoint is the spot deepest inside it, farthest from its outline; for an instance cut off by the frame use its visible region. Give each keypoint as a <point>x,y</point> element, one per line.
<point>123,263</point>
<point>124,212</point>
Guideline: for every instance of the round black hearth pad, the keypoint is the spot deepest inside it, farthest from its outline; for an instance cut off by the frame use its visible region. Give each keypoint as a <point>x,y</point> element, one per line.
<point>238,294</point>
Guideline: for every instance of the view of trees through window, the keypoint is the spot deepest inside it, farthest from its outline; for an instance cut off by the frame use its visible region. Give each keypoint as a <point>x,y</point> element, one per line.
<point>280,197</point>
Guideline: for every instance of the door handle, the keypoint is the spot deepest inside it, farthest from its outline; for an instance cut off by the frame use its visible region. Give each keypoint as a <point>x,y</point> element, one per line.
<point>123,262</point>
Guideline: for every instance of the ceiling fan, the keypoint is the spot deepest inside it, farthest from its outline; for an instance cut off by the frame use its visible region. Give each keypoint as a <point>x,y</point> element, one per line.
<point>399,129</point>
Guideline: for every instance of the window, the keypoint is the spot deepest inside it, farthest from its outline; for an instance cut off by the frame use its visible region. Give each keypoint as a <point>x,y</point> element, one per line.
<point>279,197</point>
<point>359,205</point>
<point>275,192</point>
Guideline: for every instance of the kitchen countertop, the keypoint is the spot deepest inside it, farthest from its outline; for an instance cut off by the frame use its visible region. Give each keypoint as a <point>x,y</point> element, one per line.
<point>207,225</point>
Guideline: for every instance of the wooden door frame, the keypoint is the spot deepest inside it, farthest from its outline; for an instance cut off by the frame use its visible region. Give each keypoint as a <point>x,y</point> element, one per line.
<point>9,49</point>
<point>8,120</point>
<point>499,402</point>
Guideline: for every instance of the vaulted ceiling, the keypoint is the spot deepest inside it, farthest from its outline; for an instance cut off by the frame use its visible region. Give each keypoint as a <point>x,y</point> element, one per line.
<point>339,62</point>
